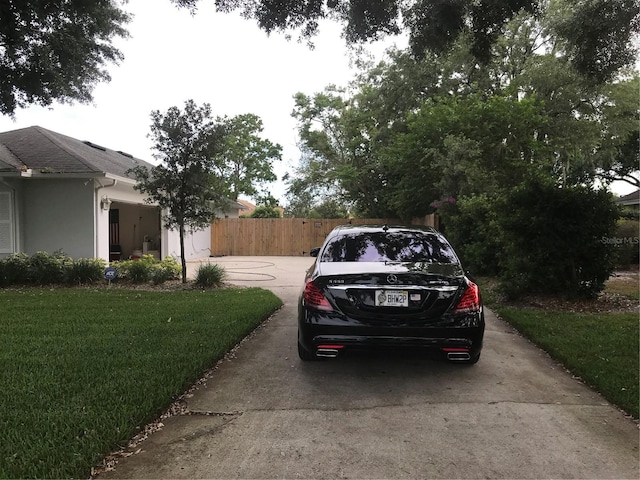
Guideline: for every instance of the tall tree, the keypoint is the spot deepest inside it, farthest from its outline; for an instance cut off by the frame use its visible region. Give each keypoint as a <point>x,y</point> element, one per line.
<point>409,131</point>
<point>246,159</point>
<point>466,146</point>
<point>339,138</point>
<point>185,184</point>
<point>618,154</point>
<point>56,50</point>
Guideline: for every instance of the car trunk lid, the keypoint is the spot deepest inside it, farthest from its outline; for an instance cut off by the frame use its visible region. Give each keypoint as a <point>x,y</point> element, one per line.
<point>391,291</point>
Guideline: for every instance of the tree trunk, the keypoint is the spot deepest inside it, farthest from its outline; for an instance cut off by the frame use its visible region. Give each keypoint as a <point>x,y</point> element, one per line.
<point>182,259</point>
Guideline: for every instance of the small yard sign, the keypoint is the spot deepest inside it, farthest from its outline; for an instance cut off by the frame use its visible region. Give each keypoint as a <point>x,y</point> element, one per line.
<point>110,274</point>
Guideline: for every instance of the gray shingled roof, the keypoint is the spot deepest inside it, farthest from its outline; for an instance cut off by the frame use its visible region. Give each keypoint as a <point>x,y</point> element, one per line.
<point>43,150</point>
<point>632,198</point>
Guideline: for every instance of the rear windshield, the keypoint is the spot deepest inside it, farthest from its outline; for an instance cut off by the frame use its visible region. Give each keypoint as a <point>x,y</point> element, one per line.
<point>389,247</point>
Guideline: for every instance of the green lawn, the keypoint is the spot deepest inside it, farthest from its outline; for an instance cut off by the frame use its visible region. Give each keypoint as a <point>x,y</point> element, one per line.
<point>602,348</point>
<point>82,370</point>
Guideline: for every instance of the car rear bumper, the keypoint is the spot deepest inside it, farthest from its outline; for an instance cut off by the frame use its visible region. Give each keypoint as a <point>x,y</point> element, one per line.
<point>317,330</point>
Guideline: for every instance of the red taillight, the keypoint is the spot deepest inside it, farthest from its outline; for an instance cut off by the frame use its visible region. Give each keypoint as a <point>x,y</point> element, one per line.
<point>314,298</point>
<point>470,300</point>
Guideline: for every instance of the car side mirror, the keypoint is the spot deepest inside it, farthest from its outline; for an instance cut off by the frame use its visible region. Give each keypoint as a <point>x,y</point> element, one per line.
<point>314,251</point>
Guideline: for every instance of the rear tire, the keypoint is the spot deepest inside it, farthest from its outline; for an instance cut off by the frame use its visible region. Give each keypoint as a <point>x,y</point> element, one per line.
<point>305,355</point>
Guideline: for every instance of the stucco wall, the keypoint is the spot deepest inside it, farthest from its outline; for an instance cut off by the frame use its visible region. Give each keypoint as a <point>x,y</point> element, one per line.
<point>196,244</point>
<point>65,214</point>
<point>58,215</point>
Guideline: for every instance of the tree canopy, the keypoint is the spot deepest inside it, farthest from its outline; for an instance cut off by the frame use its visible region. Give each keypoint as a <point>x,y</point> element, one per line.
<point>407,132</point>
<point>59,50</point>
<point>246,159</point>
<point>598,34</point>
<point>56,50</point>
<point>185,184</point>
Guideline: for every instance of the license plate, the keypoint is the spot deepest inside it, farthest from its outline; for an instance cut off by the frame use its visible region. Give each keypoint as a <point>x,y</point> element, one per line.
<point>392,298</point>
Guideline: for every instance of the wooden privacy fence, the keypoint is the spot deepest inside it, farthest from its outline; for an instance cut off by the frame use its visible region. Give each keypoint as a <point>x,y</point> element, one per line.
<point>284,236</point>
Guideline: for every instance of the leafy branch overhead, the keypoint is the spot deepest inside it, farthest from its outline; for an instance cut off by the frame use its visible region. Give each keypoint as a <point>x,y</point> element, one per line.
<point>59,51</point>
<point>598,33</point>
<point>56,50</point>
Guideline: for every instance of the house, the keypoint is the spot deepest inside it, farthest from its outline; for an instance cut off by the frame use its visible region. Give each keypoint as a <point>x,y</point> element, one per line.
<point>630,201</point>
<point>248,207</point>
<point>60,193</point>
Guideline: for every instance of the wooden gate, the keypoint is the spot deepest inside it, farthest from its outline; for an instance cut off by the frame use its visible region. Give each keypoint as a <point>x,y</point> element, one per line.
<point>283,236</point>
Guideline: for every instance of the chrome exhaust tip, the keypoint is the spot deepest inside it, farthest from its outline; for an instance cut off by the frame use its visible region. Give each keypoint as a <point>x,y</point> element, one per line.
<point>327,352</point>
<point>458,356</point>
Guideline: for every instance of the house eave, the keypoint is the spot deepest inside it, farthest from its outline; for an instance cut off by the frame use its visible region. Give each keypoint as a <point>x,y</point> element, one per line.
<point>120,179</point>
<point>42,175</point>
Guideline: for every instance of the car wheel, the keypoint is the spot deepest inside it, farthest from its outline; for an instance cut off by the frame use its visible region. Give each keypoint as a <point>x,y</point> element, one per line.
<point>305,354</point>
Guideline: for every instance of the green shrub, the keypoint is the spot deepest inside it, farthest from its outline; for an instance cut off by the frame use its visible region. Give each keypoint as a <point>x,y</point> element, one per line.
<point>140,270</point>
<point>265,211</point>
<point>85,271</point>
<point>43,268</point>
<point>14,270</point>
<point>47,269</point>
<point>122,268</point>
<point>625,242</point>
<point>471,227</point>
<point>210,275</point>
<point>539,238</point>
<point>552,239</point>
<point>148,268</point>
<point>167,269</point>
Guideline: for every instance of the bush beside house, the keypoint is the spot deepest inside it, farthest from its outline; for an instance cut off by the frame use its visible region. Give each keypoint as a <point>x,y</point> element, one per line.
<point>43,268</point>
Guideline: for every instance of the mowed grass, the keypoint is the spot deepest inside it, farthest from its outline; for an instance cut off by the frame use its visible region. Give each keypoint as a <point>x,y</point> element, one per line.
<point>82,370</point>
<point>600,348</point>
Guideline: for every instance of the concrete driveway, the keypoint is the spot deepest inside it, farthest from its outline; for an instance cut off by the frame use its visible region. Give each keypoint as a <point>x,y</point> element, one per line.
<point>264,414</point>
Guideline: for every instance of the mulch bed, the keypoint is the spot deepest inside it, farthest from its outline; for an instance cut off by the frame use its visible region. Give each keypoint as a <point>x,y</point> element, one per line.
<point>605,303</point>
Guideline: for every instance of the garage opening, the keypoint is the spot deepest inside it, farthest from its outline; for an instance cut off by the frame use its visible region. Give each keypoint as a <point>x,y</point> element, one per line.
<point>134,230</point>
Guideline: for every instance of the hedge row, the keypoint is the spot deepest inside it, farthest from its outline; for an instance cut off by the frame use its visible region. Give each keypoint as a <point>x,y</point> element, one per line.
<point>43,268</point>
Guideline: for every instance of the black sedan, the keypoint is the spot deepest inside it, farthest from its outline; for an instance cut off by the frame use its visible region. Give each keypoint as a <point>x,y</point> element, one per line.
<point>382,287</point>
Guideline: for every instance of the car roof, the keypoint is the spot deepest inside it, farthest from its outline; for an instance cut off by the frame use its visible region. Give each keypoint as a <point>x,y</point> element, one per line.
<point>369,228</point>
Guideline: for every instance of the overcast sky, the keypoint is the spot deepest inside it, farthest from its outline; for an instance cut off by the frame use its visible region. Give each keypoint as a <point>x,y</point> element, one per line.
<point>220,59</point>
